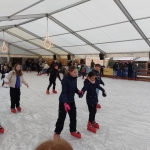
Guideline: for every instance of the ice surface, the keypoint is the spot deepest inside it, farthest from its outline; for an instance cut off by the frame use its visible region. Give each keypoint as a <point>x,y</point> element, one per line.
<point>124,117</point>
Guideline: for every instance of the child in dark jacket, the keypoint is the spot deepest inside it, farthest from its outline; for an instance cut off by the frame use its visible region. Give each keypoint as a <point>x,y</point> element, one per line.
<point>98,79</point>
<point>3,72</point>
<point>67,103</point>
<point>54,73</point>
<point>90,85</point>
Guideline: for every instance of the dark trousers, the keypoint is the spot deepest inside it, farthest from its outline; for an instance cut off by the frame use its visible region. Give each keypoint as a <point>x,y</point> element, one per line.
<point>50,84</point>
<point>62,117</point>
<point>92,112</point>
<point>83,74</point>
<point>15,97</point>
<point>38,70</point>
<point>130,74</point>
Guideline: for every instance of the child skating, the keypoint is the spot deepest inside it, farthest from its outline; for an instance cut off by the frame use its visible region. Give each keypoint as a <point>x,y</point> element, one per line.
<point>15,80</point>
<point>90,85</point>
<point>67,103</point>
<point>98,79</point>
<point>54,73</point>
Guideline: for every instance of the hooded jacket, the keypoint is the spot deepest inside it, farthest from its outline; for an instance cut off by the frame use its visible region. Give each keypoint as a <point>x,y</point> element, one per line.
<point>91,95</point>
<point>69,88</point>
<point>98,77</point>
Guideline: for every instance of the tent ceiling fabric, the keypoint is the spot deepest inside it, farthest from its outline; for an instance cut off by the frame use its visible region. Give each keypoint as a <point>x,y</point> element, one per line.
<point>81,26</point>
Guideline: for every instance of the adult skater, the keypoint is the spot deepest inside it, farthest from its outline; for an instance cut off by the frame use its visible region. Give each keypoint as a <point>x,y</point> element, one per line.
<point>4,71</point>
<point>54,73</point>
<point>90,86</point>
<point>67,103</point>
<point>15,80</point>
<point>1,129</point>
<point>135,70</point>
<point>98,79</point>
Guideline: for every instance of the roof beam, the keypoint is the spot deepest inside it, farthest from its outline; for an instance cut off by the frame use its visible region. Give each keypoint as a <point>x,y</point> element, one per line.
<point>12,17</point>
<point>19,47</point>
<point>75,34</point>
<point>132,21</point>
<point>42,39</point>
<point>29,41</point>
<point>25,8</point>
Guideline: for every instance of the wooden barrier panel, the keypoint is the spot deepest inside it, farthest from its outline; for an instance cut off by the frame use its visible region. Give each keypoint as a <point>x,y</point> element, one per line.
<point>108,71</point>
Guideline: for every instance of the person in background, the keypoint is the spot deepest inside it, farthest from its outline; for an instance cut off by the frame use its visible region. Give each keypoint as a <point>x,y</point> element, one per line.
<point>130,69</point>
<point>92,64</point>
<point>27,65</point>
<point>59,144</point>
<point>15,80</point>
<point>135,70</point>
<point>115,67</point>
<point>98,80</point>
<point>83,70</point>
<point>38,68</point>
<point>102,70</point>
<point>122,68</point>
<point>3,72</point>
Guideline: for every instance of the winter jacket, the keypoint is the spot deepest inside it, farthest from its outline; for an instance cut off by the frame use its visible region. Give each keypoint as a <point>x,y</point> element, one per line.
<point>91,95</point>
<point>46,66</point>
<point>130,67</point>
<point>11,78</point>
<point>122,67</point>
<point>69,88</point>
<point>92,65</point>
<point>54,73</point>
<point>3,73</point>
<point>27,64</point>
<point>98,77</point>
<point>135,68</point>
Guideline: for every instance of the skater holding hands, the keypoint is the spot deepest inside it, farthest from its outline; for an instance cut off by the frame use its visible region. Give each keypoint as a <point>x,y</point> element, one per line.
<point>90,85</point>
<point>67,103</point>
<point>15,80</point>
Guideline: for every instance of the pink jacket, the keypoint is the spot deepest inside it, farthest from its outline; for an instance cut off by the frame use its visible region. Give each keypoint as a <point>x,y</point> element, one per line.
<point>11,78</point>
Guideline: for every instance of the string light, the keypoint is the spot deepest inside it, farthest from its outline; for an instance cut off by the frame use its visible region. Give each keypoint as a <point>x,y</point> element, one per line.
<point>4,47</point>
<point>47,44</point>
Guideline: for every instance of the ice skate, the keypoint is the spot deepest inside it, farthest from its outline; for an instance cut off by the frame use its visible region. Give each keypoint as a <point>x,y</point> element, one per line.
<point>56,136</point>
<point>55,92</point>
<point>1,129</point>
<point>98,106</point>
<point>13,110</point>
<point>19,109</point>
<point>96,125</point>
<point>76,134</point>
<point>91,128</point>
<point>47,92</point>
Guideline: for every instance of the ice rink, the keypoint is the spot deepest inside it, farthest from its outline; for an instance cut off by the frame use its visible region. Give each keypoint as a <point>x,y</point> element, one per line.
<point>124,117</point>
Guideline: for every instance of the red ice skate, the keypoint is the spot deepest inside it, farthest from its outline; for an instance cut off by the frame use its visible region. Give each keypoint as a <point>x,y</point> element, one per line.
<point>13,110</point>
<point>56,136</point>
<point>76,134</point>
<point>1,129</point>
<point>98,106</point>
<point>47,92</point>
<point>55,92</point>
<point>91,128</point>
<point>96,125</point>
<point>19,109</point>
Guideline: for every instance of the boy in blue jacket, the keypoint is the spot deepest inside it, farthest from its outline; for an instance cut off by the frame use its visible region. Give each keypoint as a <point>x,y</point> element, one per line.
<point>98,79</point>
<point>67,103</point>
<point>90,85</point>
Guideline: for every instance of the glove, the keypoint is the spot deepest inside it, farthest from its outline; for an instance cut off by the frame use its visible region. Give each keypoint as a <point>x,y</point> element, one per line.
<point>104,94</point>
<point>103,84</point>
<point>67,107</point>
<point>80,94</point>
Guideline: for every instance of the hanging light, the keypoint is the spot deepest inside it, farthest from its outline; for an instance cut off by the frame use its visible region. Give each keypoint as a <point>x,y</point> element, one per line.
<point>47,44</point>
<point>4,47</point>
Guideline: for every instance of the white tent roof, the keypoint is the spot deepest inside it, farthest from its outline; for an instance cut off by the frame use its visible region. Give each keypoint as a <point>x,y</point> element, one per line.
<point>76,26</point>
<point>143,59</point>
